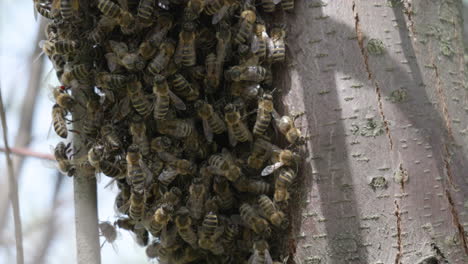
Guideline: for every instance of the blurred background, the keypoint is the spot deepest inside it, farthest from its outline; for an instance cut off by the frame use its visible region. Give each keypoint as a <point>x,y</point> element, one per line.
<point>46,196</point>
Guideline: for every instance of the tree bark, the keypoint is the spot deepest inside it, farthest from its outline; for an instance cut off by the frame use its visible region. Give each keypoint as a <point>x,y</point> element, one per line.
<point>383,87</point>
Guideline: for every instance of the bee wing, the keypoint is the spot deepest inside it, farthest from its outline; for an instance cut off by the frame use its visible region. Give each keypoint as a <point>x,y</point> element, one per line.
<point>271,168</point>
<point>178,103</point>
<point>220,14</point>
<point>113,61</point>
<point>216,171</point>
<point>253,258</point>
<point>268,259</point>
<point>207,131</point>
<point>232,138</point>
<point>276,2</point>
<point>147,172</point>
<point>35,10</point>
<point>167,175</point>
<point>255,44</point>
<point>270,45</point>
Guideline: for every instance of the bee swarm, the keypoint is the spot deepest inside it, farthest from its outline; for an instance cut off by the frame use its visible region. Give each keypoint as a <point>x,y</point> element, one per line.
<point>178,109</point>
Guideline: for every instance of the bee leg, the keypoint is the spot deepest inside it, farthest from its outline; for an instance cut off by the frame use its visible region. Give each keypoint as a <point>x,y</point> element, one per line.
<point>295,116</point>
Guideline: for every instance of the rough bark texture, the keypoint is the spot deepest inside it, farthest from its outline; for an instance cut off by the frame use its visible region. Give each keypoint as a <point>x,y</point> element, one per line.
<point>383,87</point>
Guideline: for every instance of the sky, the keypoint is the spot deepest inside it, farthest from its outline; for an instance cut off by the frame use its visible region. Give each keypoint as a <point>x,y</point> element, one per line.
<point>18,31</point>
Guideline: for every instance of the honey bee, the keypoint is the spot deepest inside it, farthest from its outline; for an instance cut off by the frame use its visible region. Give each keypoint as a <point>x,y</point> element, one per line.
<point>224,194</point>
<point>108,231</point>
<point>48,47</point>
<point>63,162</point>
<point>212,78</point>
<point>137,206</point>
<point>259,155</point>
<point>141,236</point>
<point>45,11</point>
<point>247,21</point>
<point>108,132</point>
<point>96,159</point>
<point>193,9</point>
<point>231,231</point>
<point>163,97</point>
<point>63,99</point>
<point>223,164</point>
<point>184,227</point>
<point>209,233</point>
<point>138,132</point>
<point>269,5</point>
<point>58,118</point>
<point>162,146</point>
<point>160,219</point>
<point>264,112</point>
<point>66,46</point>
<point>283,180</point>
<point>197,197</point>
<point>237,129</point>
<point>246,73</point>
<point>145,9</point>
<point>276,44</point>
<point>258,187</point>
<point>81,72</point>
<point>187,255</point>
<point>175,167</point>
<point>288,5</point>
<point>287,127</point>
<point>186,52</point>
<point>155,250</point>
<point>272,213</point>
<point>212,123</point>
<point>66,7</point>
<point>135,173</point>
<point>250,216</point>
<point>108,8</point>
<point>138,98</point>
<point>99,33</point>
<point>155,37</point>
<point>129,225</point>
<point>184,88</point>
<point>280,158</point>
<point>197,72</point>
<point>122,200</point>
<point>261,254</point>
<point>160,62</point>
<point>111,81</point>
<point>122,56</point>
<point>259,41</point>
<point>178,128</point>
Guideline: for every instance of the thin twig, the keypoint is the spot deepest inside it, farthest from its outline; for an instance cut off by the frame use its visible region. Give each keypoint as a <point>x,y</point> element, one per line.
<point>28,105</point>
<point>51,229</point>
<point>13,189</point>
<point>25,152</point>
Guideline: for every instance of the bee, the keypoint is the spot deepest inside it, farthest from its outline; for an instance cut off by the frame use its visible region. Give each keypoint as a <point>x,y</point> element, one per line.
<point>110,80</point>
<point>122,56</point>
<point>138,98</point>
<point>197,197</point>
<point>81,72</point>
<point>141,236</point>
<point>178,128</point>
<point>184,88</point>
<point>45,11</point>
<point>163,97</point>
<point>155,37</point>
<point>250,216</point>
<point>287,127</point>
<point>66,46</point>
<point>172,197</point>
<point>212,122</point>
<point>187,255</point>
<point>63,99</point>
<point>272,213</point>
<point>135,173</point>
<point>160,62</point>
<point>162,146</point>
<point>231,231</point>
<point>197,72</point>
<point>276,44</point>
<point>108,132</point>
<point>259,155</point>
<point>122,200</point>
<point>160,219</point>
<point>145,9</point>
<point>212,78</point>
<point>175,167</point>
<point>258,187</point>
<point>237,129</point>
<point>261,254</point>
<point>138,132</point>
<point>224,194</point>
<point>137,205</point>
<point>223,164</point>
<point>269,5</point>
<point>210,232</point>
<point>212,7</point>
<point>186,47</point>
<point>108,8</point>
<point>156,250</point>
<point>264,112</point>
<point>193,9</point>
<point>108,231</point>
<point>283,180</point>
<point>67,7</point>
<point>104,26</point>
<point>280,158</point>
<point>247,21</point>
<point>259,41</point>
<point>96,159</point>
<point>246,73</point>
<point>288,5</point>
<point>184,227</point>
<point>58,118</point>
<point>63,162</point>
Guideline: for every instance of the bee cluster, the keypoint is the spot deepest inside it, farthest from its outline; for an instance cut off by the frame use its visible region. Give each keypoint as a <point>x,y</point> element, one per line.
<point>177,97</point>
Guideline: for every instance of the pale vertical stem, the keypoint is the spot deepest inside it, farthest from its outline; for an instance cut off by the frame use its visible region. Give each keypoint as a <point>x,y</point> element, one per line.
<point>13,185</point>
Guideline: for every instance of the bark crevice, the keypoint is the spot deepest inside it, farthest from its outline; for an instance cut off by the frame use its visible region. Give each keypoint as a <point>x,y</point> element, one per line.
<point>360,39</point>
<point>456,221</point>
<point>399,239</point>
<point>443,102</point>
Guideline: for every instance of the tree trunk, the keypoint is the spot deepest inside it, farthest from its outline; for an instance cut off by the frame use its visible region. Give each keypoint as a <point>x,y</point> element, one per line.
<point>383,87</point>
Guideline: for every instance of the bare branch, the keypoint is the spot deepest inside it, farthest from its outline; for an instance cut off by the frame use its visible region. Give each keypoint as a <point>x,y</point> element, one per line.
<point>13,189</point>
<point>24,152</point>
